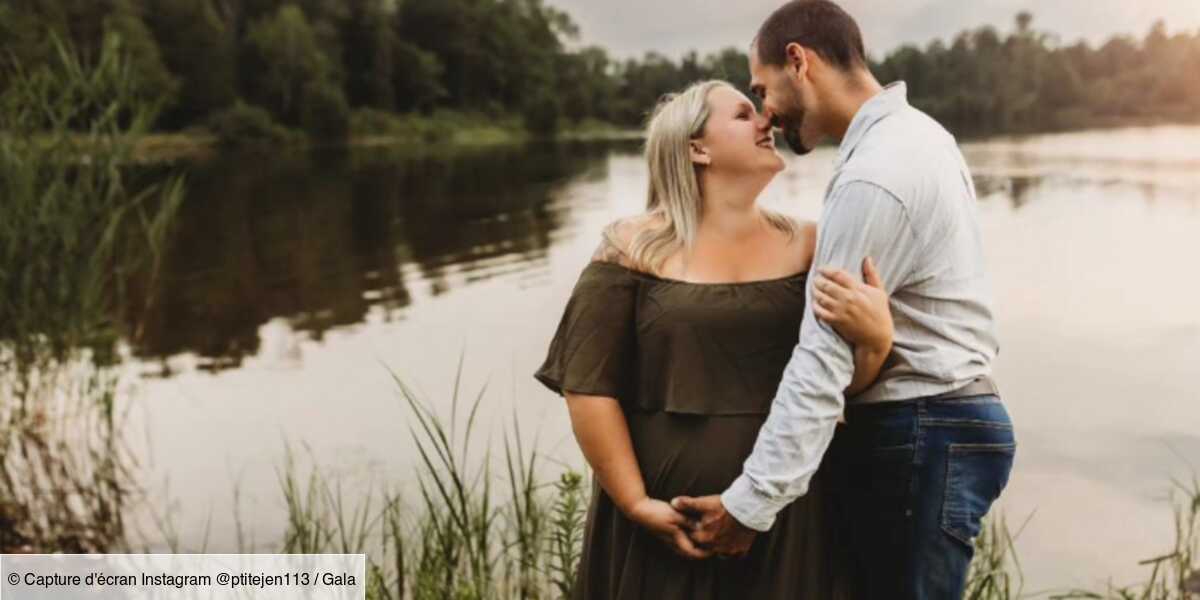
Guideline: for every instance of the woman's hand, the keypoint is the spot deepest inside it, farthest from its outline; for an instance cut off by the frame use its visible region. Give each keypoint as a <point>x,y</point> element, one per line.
<point>666,524</point>
<point>603,434</point>
<point>858,311</point>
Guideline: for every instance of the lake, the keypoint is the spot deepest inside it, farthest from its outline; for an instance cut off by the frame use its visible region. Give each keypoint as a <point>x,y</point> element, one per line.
<point>296,282</point>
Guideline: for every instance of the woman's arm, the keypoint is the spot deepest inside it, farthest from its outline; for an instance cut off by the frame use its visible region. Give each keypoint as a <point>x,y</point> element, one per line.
<point>868,362</point>
<point>859,312</point>
<point>603,435</point>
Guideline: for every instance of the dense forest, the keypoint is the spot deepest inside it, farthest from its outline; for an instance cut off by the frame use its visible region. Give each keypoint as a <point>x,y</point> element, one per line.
<point>987,82</point>
<point>312,65</point>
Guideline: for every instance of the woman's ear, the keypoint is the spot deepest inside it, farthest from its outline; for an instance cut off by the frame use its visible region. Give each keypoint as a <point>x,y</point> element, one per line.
<point>699,153</point>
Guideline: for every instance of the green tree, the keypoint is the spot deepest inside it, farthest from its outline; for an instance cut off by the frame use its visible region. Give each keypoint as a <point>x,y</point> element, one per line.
<point>418,84</point>
<point>28,26</point>
<point>1024,21</point>
<point>287,57</point>
<point>154,78</point>
<point>324,111</point>
<point>368,52</point>
<point>198,49</point>
<point>730,64</point>
<point>305,60</point>
<point>585,85</point>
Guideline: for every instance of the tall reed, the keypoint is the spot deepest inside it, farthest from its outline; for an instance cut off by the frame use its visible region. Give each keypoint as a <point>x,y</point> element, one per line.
<point>77,225</point>
<point>476,534</point>
<point>472,533</point>
<point>1175,574</point>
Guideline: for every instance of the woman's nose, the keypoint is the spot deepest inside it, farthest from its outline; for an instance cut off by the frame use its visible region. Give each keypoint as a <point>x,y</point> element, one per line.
<point>763,121</point>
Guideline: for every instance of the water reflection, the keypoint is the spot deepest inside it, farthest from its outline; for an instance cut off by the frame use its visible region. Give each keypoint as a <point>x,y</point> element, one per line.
<point>322,239</point>
<point>1159,162</point>
<point>1016,188</point>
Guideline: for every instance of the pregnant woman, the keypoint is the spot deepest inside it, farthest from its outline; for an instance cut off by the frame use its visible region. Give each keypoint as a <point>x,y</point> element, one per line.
<point>670,350</point>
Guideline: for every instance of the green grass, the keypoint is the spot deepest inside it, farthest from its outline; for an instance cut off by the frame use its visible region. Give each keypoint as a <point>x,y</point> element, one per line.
<point>477,532</point>
<point>77,231</point>
<point>472,533</point>
<point>995,572</point>
<point>1175,574</point>
<point>446,128</point>
<point>442,131</point>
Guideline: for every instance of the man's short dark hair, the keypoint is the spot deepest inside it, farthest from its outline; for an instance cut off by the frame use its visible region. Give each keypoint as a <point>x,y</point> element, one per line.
<point>819,25</point>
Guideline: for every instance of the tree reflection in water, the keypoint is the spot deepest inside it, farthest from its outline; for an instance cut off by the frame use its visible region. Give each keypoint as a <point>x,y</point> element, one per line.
<point>320,239</point>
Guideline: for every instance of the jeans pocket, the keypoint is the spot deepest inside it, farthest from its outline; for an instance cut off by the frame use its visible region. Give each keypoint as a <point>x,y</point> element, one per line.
<point>975,476</point>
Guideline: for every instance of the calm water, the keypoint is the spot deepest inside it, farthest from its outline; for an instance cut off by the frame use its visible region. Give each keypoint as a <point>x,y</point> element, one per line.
<point>295,283</point>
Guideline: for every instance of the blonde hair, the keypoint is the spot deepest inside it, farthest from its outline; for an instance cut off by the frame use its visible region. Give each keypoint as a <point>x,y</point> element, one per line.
<point>674,195</point>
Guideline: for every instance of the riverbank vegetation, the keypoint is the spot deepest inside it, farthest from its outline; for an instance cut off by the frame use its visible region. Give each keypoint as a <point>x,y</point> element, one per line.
<point>506,527</point>
<point>75,224</point>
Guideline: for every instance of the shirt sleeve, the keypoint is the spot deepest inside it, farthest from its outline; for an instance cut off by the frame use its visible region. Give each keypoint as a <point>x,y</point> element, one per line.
<point>860,219</point>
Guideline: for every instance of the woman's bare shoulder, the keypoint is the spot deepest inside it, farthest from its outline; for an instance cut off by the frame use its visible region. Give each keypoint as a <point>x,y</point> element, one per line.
<point>616,240</point>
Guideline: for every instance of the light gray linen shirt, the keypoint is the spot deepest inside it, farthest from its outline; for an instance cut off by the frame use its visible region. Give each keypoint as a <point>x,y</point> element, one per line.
<point>901,194</point>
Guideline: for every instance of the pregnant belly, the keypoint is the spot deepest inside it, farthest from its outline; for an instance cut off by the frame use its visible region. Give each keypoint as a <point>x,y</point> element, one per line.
<point>691,455</point>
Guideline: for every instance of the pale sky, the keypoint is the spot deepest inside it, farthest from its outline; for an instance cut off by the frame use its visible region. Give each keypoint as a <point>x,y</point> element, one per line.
<point>632,27</point>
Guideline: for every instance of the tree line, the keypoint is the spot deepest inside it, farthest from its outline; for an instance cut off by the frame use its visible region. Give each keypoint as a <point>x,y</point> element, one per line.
<point>311,64</point>
<point>984,82</point>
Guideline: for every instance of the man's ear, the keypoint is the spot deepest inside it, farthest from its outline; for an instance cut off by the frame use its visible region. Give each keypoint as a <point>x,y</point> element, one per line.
<point>797,59</point>
<point>699,153</point>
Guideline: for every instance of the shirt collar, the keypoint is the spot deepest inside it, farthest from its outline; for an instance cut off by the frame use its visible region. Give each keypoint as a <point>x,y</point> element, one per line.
<point>893,97</point>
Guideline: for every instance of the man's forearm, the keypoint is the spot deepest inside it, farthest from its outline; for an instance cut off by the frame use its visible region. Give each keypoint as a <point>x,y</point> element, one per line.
<point>795,435</point>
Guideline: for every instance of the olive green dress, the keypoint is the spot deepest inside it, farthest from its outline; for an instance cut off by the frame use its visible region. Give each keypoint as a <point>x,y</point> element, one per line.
<point>695,367</point>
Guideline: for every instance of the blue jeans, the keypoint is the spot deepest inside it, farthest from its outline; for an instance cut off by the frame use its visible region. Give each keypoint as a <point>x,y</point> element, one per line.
<point>912,481</point>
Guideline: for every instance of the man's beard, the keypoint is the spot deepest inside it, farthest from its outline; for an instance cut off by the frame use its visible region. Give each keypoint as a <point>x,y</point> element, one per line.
<point>791,132</point>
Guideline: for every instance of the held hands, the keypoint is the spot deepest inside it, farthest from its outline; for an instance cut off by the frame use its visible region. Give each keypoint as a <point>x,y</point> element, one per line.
<point>705,530</point>
<point>858,311</point>
<point>714,530</point>
<point>668,525</point>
